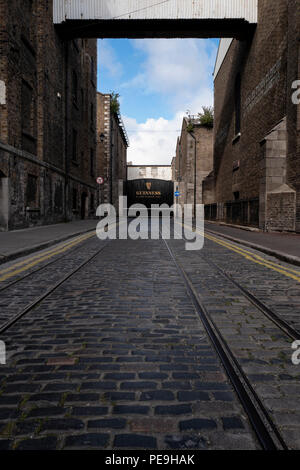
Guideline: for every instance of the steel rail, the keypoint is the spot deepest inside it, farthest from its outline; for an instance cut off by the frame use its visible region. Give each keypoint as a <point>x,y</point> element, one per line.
<point>282,324</point>
<point>49,263</point>
<point>251,403</point>
<point>33,304</point>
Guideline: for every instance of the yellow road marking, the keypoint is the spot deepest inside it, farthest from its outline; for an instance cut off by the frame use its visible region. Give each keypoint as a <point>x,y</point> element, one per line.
<point>45,257</point>
<point>257,256</point>
<point>29,263</point>
<point>253,257</point>
<point>21,263</point>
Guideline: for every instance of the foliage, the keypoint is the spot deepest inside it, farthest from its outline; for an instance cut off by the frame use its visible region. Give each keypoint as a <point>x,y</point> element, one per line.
<point>114,102</point>
<point>190,127</point>
<point>207,116</point>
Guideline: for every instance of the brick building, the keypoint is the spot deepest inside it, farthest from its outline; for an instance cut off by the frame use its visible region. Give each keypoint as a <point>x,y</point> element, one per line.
<point>47,119</point>
<point>111,150</point>
<point>256,175</point>
<point>173,167</point>
<point>193,161</point>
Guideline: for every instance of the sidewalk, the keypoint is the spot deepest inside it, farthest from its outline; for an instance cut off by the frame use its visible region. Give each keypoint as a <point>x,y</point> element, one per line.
<point>23,242</point>
<point>284,246</point>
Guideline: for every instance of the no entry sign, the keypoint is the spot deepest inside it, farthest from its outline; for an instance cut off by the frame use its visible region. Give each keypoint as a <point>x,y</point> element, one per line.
<point>100,180</point>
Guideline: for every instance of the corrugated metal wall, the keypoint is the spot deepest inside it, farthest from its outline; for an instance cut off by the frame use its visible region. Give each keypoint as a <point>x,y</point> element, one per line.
<point>155,9</point>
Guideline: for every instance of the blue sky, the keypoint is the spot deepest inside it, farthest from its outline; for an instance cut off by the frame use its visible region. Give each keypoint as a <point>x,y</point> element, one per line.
<point>158,81</point>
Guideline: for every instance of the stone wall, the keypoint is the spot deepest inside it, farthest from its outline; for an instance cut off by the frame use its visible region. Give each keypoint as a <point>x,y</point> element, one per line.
<point>111,151</point>
<point>194,152</point>
<point>47,117</point>
<point>253,95</point>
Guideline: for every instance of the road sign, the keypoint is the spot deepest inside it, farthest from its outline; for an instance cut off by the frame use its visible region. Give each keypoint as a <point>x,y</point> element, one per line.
<point>177,193</point>
<point>100,180</point>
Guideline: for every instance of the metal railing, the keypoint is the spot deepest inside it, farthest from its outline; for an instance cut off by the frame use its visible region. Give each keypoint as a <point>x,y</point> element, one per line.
<point>242,212</point>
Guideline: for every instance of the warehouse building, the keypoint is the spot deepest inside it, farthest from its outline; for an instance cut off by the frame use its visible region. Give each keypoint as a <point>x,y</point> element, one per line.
<point>256,170</point>
<point>47,119</point>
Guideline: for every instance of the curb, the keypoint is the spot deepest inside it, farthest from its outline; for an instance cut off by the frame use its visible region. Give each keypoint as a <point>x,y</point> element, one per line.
<point>268,251</point>
<point>38,247</point>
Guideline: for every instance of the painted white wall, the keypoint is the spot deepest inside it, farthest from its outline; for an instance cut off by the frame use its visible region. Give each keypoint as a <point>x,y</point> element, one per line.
<point>224,46</point>
<point>151,172</point>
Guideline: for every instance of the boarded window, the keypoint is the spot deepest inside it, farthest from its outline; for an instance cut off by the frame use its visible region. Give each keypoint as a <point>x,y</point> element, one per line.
<point>31,190</point>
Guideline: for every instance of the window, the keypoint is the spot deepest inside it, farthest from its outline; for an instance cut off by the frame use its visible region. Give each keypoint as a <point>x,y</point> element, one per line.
<point>92,68</point>
<point>74,145</point>
<point>82,102</point>
<point>236,196</point>
<point>31,190</point>
<point>92,162</point>
<point>92,113</point>
<point>74,87</point>
<point>237,104</point>
<point>27,108</point>
<point>74,199</point>
<point>92,202</point>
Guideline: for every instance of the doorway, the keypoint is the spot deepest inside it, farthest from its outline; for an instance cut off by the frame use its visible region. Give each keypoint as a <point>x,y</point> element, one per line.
<point>83,205</point>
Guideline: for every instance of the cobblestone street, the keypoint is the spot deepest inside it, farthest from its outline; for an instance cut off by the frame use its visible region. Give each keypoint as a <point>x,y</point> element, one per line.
<point>117,357</point>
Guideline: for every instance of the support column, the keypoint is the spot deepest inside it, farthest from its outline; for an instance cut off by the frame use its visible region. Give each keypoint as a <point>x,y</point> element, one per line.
<point>277,209</point>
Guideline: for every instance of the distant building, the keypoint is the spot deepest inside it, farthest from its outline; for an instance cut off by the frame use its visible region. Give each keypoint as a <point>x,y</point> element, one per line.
<point>111,150</point>
<point>256,172</point>
<point>47,119</point>
<point>161,172</point>
<point>173,167</point>
<point>193,161</point>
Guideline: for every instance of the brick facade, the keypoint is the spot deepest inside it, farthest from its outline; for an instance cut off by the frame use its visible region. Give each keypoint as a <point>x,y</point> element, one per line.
<point>256,140</point>
<point>47,119</point>
<point>111,150</point>
<point>194,151</point>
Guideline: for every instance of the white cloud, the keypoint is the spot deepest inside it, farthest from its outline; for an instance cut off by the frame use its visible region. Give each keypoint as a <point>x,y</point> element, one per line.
<point>108,59</point>
<point>181,71</point>
<point>153,142</point>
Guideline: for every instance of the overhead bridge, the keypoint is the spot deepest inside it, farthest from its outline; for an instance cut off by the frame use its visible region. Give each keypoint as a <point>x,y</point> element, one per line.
<point>154,18</point>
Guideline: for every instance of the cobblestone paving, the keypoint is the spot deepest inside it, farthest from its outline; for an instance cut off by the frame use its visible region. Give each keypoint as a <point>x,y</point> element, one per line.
<point>18,296</point>
<point>118,358</point>
<point>263,351</point>
<point>278,292</point>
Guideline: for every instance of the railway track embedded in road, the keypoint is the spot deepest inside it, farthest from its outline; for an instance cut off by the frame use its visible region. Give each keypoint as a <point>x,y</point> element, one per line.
<point>266,431</point>
<point>29,307</point>
<point>279,322</point>
<point>67,246</point>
